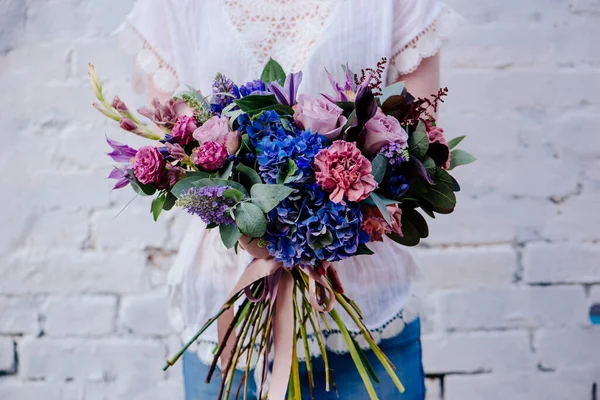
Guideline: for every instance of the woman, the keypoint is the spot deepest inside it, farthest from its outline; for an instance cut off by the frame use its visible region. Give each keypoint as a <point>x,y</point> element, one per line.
<point>188,42</point>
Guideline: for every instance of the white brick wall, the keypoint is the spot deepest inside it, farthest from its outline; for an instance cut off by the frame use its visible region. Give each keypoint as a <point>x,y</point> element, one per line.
<point>509,278</point>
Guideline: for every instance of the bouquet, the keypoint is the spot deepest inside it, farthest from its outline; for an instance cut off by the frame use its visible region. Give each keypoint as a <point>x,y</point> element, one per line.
<point>300,182</point>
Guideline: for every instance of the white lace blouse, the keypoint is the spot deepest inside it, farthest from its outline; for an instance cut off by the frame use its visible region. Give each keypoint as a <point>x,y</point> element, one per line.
<point>186,42</point>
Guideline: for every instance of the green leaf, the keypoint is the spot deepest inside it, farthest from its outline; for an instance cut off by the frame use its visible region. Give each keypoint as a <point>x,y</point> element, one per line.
<point>292,169</point>
<point>379,165</point>
<point>250,220</point>
<point>454,142</point>
<point>281,109</point>
<point>395,89</point>
<point>250,173</point>
<point>267,197</point>
<point>230,235</point>
<point>441,196</point>
<point>364,250</point>
<point>169,201</point>
<point>255,102</point>
<point>141,189</point>
<point>460,157</point>
<point>233,194</point>
<point>428,163</point>
<point>418,143</point>
<point>197,174</point>
<point>183,186</point>
<point>226,171</point>
<point>381,205</point>
<point>273,72</point>
<point>417,220</point>
<point>157,205</point>
<point>318,242</point>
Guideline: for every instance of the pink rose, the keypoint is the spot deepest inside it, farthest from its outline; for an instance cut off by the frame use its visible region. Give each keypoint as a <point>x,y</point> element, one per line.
<point>183,129</point>
<point>319,115</point>
<point>216,129</point>
<point>374,224</point>
<point>343,171</point>
<point>436,135</point>
<point>149,166</point>
<point>382,130</point>
<point>211,156</point>
<point>396,215</point>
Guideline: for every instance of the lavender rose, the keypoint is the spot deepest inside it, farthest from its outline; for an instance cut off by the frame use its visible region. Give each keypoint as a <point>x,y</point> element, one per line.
<point>149,166</point>
<point>320,115</point>
<point>216,129</point>
<point>183,129</point>
<point>382,130</point>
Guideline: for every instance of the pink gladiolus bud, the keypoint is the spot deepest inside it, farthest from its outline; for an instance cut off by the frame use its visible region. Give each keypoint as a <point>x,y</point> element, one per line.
<point>118,104</point>
<point>128,125</point>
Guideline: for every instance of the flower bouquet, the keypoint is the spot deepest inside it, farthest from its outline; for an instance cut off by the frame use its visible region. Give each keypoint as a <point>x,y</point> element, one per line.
<point>299,182</point>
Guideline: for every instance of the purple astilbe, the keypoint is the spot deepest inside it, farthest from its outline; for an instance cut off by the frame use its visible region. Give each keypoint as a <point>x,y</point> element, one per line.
<point>208,203</point>
<point>287,94</point>
<point>122,154</point>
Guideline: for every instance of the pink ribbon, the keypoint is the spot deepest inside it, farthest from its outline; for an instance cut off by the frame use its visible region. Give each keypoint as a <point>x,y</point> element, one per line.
<point>280,288</point>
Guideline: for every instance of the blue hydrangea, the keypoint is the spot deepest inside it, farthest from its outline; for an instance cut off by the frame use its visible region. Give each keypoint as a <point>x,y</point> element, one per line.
<point>307,228</point>
<point>252,86</point>
<point>284,153</point>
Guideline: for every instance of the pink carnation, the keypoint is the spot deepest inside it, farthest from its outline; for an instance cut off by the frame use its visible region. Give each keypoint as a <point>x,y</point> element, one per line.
<point>374,224</point>
<point>183,129</point>
<point>149,166</point>
<point>343,171</point>
<point>211,156</point>
<point>216,129</point>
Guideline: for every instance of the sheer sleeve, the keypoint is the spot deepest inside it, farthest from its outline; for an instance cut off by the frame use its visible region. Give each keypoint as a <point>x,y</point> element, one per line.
<point>419,28</point>
<point>148,33</point>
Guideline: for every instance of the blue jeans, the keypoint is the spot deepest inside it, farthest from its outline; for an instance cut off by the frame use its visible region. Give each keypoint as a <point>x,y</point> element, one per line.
<point>403,350</point>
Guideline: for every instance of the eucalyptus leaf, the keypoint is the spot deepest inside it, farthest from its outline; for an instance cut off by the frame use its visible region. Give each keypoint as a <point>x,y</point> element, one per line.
<point>230,234</point>
<point>183,186</point>
<point>428,163</point>
<point>250,220</point>
<point>225,172</point>
<point>233,194</point>
<point>157,205</point>
<point>381,205</point>
<point>267,197</point>
<point>250,173</point>
<point>379,166</point>
<point>454,142</point>
<point>418,142</point>
<point>441,198</point>
<point>417,220</point>
<point>395,89</point>
<point>273,72</point>
<point>460,157</point>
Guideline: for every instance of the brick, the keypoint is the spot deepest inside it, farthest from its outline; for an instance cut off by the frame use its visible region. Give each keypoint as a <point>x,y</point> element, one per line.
<point>562,263</point>
<point>88,316</point>
<point>55,230</point>
<point>547,386</point>
<point>566,348</point>
<point>131,364</point>
<point>19,315</point>
<point>576,220</point>
<point>477,352</point>
<point>74,272</point>
<point>7,356</point>
<point>496,308</point>
<point>467,267</point>
<point>433,389</point>
<point>133,229</point>
<point>146,314</point>
<point>12,389</point>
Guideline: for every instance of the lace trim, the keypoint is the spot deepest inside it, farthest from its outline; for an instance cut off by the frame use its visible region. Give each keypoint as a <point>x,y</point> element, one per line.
<point>334,341</point>
<point>149,60</point>
<point>426,44</point>
<point>268,29</point>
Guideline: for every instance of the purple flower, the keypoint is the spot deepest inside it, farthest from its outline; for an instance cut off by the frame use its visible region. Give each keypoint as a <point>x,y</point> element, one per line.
<point>395,153</point>
<point>287,94</point>
<point>175,151</point>
<point>345,92</point>
<point>255,86</point>
<point>208,203</point>
<point>121,152</point>
<point>121,176</point>
<point>221,85</point>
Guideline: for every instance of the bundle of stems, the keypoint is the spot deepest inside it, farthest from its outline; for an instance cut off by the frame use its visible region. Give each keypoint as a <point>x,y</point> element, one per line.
<point>253,324</point>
